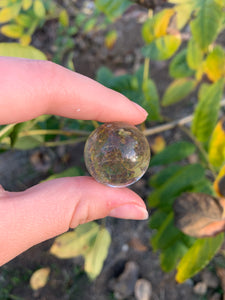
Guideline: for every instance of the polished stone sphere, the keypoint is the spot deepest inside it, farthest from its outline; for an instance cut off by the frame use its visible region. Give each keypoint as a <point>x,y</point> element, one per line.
<point>117,154</point>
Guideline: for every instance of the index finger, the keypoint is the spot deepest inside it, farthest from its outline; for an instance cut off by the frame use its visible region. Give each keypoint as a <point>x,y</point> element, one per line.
<point>29,88</point>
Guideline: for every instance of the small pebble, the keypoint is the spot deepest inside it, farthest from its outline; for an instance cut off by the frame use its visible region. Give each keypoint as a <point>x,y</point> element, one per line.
<point>143,289</point>
<point>200,288</point>
<point>210,279</point>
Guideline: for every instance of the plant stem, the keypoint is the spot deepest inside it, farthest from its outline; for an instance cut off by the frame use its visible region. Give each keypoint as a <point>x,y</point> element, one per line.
<point>95,123</point>
<point>171,125</point>
<point>54,132</point>
<point>60,143</point>
<point>146,69</point>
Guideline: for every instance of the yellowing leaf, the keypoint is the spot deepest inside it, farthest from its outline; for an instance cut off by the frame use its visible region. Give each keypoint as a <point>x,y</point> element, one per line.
<point>183,14</point>
<point>75,243</point>
<point>39,9</point>
<point>198,256</point>
<point>163,47</point>
<point>25,40</point>
<point>110,39</point>
<point>17,50</point>
<point>214,65</point>
<point>8,13</point>
<point>218,184</point>
<point>4,3</point>
<point>39,278</point>
<point>158,144</point>
<point>27,4</point>
<point>217,145</point>
<point>12,31</point>
<point>157,26</point>
<point>95,258</point>
<point>64,18</point>
<point>178,90</point>
<point>161,22</point>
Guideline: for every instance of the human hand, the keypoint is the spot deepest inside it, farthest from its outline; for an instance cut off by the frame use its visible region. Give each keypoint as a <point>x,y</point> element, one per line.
<point>32,88</point>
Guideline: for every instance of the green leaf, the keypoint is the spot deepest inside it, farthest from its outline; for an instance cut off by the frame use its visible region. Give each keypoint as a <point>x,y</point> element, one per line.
<point>112,8</point>
<point>39,9</point>
<point>183,14</point>
<point>194,55</point>
<point>207,23</point>
<point>12,30</point>
<point>95,258</point>
<point>206,112</point>
<point>70,172</point>
<point>157,219</point>
<point>198,257</point>
<point>90,24</point>
<point>27,4</point>
<point>151,100</point>
<point>64,18</point>
<point>17,50</point>
<point>162,48</point>
<point>24,20</point>
<point>183,180</point>
<point>104,76</point>
<point>166,235</point>
<point>178,67</point>
<point>161,177</point>
<point>9,13</point>
<point>178,90</point>
<point>170,256</point>
<point>29,142</point>
<point>174,152</point>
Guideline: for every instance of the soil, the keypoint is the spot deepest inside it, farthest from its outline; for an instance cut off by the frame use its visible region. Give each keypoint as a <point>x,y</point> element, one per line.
<point>130,239</point>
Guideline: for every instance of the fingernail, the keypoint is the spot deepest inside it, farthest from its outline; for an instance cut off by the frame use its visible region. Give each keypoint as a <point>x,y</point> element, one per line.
<point>141,109</point>
<point>129,211</point>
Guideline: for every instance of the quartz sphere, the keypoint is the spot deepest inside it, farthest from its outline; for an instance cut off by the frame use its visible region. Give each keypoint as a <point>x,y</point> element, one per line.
<point>117,154</point>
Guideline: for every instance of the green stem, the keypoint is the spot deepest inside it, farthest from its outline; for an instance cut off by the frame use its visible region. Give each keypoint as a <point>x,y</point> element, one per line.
<point>68,142</point>
<point>95,123</point>
<point>54,132</point>
<point>146,69</point>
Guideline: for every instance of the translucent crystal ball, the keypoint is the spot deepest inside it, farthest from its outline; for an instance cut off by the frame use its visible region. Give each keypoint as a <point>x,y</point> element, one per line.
<point>117,154</point>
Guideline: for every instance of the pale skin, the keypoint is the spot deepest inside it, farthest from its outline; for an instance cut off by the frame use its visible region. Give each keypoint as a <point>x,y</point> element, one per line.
<point>29,89</point>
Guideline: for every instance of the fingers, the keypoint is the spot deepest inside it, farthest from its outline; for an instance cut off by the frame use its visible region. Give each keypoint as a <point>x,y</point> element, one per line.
<point>31,88</point>
<point>50,208</point>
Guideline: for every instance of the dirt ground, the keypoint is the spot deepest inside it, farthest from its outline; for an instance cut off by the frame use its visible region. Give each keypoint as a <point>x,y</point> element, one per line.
<point>130,239</point>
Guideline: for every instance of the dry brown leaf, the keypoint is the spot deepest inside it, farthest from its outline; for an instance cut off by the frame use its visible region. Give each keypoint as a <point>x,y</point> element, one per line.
<point>39,278</point>
<point>199,215</point>
<point>136,244</point>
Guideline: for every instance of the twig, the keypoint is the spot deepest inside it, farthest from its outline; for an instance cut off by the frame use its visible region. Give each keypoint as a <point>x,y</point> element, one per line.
<point>171,125</point>
<point>168,126</point>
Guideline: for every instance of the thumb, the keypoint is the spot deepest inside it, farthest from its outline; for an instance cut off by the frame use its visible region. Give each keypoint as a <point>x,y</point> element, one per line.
<point>51,208</point>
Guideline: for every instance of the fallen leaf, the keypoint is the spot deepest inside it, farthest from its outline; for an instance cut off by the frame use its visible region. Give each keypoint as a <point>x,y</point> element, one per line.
<point>158,144</point>
<point>39,278</point>
<point>199,215</point>
<point>136,244</point>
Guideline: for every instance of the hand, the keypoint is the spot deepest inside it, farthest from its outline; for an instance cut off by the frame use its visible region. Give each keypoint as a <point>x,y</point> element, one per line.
<point>32,88</point>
